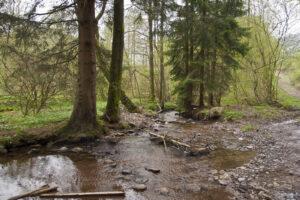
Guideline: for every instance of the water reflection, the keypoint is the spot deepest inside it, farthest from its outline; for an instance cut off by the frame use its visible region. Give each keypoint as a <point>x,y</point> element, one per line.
<point>18,176</point>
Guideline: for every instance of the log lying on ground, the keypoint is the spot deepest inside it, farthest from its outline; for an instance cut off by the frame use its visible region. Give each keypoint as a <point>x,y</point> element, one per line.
<point>193,150</point>
<point>37,192</point>
<point>84,194</point>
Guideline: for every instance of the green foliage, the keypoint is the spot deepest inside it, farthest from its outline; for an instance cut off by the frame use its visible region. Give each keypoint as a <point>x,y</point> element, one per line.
<point>248,128</point>
<point>205,41</point>
<point>231,114</point>
<point>256,81</point>
<point>287,101</point>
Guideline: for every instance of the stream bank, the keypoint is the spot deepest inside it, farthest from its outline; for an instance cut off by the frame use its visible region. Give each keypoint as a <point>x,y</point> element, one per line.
<point>256,164</point>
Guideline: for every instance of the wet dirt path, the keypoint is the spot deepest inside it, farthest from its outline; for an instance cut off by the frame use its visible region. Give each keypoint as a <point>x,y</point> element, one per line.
<point>242,166</point>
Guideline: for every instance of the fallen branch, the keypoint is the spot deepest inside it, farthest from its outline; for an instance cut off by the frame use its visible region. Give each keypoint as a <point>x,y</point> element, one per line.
<point>193,150</point>
<point>42,190</point>
<point>85,194</point>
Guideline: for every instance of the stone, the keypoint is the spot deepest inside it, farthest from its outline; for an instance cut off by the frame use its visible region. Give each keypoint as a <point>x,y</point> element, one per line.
<point>153,170</point>
<point>77,149</point>
<point>222,172</point>
<point>3,150</point>
<point>224,179</point>
<point>139,187</point>
<point>214,171</point>
<point>263,195</point>
<point>164,191</point>
<point>63,149</point>
<point>215,112</point>
<point>113,165</point>
<point>195,188</point>
<point>275,184</point>
<point>33,151</point>
<point>126,171</point>
<point>241,179</point>
<point>141,180</point>
<point>108,161</point>
<point>124,178</point>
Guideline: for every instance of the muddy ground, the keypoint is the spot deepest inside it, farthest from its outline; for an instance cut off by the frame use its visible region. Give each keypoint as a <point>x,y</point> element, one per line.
<point>262,163</point>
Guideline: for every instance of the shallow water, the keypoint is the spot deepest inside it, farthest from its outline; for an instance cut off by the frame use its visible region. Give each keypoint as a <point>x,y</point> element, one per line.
<point>185,177</point>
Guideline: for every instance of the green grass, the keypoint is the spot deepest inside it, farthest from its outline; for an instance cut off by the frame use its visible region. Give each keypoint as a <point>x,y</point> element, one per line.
<point>287,101</point>
<point>58,110</point>
<point>248,128</point>
<point>266,111</point>
<point>232,114</point>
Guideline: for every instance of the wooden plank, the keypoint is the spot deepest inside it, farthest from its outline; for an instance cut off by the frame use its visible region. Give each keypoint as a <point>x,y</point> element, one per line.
<point>84,194</point>
<point>37,192</point>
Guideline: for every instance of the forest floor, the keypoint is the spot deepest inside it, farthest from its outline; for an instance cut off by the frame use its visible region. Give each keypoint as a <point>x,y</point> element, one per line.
<point>255,155</point>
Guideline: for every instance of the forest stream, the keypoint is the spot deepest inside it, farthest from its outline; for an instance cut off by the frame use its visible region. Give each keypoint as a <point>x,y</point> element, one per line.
<point>240,166</point>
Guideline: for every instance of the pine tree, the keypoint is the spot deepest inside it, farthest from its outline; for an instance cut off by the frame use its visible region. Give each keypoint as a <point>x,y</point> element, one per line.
<point>205,41</point>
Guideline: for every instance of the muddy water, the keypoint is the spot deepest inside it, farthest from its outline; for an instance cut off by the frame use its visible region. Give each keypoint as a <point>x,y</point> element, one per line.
<point>100,168</point>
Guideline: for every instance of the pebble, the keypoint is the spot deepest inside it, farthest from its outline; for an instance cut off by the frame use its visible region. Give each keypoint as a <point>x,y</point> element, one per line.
<point>63,149</point>
<point>263,195</point>
<point>33,151</point>
<point>224,179</point>
<point>241,179</point>
<point>153,170</point>
<point>139,187</point>
<point>126,171</point>
<point>141,180</point>
<point>250,147</point>
<point>214,171</point>
<point>77,149</point>
<point>164,191</point>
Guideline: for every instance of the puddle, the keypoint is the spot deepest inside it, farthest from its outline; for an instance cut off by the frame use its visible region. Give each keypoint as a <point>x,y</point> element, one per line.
<point>223,159</point>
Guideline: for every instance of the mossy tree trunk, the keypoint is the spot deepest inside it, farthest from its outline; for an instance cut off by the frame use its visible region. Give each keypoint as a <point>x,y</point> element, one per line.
<point>84,113</point>
<point>125,100</point>
<point>112,113</point>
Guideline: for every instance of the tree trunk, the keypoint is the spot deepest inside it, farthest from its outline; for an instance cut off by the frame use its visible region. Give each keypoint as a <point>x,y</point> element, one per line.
<point>151,54</point>
<point>84,113</point>
<point>188,97</point>
<point>112,113</point>
<point>125,100</point>
<point>211,98</point>
<point>201,87</point>
<point>161,58</point>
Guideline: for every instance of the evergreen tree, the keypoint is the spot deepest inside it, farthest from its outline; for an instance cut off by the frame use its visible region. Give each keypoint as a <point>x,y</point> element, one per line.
<point>205,41</point>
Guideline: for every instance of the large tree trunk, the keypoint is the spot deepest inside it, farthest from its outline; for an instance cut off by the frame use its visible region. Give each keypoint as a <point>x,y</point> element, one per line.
<point>161,58</point>
<point>151,54</point>
<point>84,113</point>
<point>112,113</point>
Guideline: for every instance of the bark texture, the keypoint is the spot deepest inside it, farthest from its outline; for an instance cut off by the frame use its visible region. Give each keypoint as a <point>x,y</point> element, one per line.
<point>125,100</point>
<point>151,54</point>
<point>162,92</point>
<point>84,113</point>
<point>112,113</point>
